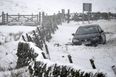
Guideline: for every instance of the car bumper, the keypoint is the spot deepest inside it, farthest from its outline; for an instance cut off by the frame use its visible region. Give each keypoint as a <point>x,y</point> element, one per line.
<point>87,41</point>
<point>91,40</point>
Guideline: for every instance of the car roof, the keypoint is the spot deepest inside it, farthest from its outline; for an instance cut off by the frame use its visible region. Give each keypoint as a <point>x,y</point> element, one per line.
<point>92,25</point>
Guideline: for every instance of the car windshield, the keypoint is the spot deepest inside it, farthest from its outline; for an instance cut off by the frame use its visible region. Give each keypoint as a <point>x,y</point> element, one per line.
<point>87,30</point>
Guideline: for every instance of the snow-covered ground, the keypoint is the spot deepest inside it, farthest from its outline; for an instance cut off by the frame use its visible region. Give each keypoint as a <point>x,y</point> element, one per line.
<point>103,55</point>
<point>8,44</point>
<point>13,33</point>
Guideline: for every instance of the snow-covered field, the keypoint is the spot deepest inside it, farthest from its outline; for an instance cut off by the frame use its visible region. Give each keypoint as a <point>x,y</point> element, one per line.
<point>9,38</point>
<point>103,55</point>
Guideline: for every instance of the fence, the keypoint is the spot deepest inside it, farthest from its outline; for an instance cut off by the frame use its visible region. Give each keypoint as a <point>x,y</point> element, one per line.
<point>19,19</point>
<point>32,19</point>
<point>22,19</point>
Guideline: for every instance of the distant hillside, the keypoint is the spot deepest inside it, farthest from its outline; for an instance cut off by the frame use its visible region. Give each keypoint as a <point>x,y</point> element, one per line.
<point>14,7</point>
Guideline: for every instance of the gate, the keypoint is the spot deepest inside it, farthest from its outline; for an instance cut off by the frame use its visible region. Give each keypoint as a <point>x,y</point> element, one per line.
<point>18,19</point>
<point>30,20</point>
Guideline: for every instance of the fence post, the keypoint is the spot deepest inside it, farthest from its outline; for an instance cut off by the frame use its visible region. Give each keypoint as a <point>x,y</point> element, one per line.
<point>114,69</point>
<point>70,59</point>
<point>43,17</point>
<point>18,17</point>
<point>32,17</point>
<point>92,63</point>
<point>47,51</point>
<point>59,18</point>
<point>6,18</point>
<point>23,38</point>
<point>43,54</point>
<point>68,16</point>
<point>37,19</point>
<point>3,18</point>
<point>63,15</point>
<point>40,18</point>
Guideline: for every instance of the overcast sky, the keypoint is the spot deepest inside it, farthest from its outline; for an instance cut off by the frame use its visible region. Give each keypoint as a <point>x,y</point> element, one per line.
<point>74,5</point>
<point>51,6</point>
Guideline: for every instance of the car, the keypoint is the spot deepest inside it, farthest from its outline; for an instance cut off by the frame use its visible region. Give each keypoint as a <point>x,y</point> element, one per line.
<point>89,34</point>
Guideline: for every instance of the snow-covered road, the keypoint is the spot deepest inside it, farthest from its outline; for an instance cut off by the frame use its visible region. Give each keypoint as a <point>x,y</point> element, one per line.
<point>103,55</point>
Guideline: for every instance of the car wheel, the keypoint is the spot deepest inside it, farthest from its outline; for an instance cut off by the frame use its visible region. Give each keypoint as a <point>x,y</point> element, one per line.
<point>103,39</point>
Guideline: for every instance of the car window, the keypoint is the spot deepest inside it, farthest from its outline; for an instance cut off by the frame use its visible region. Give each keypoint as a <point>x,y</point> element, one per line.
<point>86,30</point>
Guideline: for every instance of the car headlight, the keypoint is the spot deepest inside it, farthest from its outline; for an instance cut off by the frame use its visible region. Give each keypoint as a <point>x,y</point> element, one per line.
<point>75,40</point>
<point>95,38</point>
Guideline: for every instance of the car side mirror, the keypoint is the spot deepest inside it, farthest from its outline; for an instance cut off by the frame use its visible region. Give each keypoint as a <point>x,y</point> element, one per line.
<point>73,34</point>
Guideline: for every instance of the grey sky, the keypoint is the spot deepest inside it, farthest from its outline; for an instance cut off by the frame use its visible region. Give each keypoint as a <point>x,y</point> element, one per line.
<point>74,5</point>
<point>51,6</point>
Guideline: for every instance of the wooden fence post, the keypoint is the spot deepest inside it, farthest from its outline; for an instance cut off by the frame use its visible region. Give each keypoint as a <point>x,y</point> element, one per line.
<point>63,15</point>
<point>27,37</point>
<point>40,18</point>
<point>37,19</point>
<point>3,18</point>
<point>114,69</point>
<point>43,54</point>
<point>18,17</point>
<point>70,59</point>
<point>68,16</point>
<point>92,63</point>
<point>47,51</point>
<point>59,18</point>
<point>23,38</point>
<point>6,18</point>
<point>43,17</point>
<point>32,17</point>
